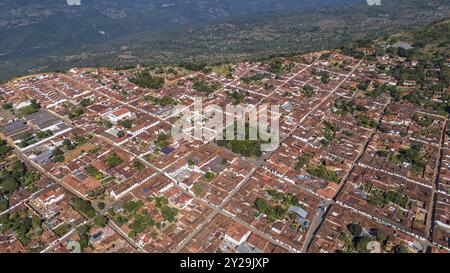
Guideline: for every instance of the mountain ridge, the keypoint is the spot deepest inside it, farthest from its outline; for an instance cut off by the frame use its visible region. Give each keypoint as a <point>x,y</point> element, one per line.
<point>215,41</point>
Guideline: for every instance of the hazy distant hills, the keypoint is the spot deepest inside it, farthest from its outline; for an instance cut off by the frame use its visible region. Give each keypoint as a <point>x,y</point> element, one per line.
<point>38,25</point>
<point>38,35</point>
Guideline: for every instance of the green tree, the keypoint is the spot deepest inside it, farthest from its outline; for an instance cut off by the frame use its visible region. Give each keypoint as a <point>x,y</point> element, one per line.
<point>120,134</point>
<point>83,233</point>
<point>325,77</point>
<point>209,176</point>
<point>101,205</point>
<point>84,207</point>
<point>261,205</point>
<point>145,80</point>
<point>4,205</point>
<point>86,102</point>
<point>197,189</point>
<point>361,244</point>
<point>113,161</point>
<point>138,165</point>
<point>58,155</point>
<point>4,149</point>
<point>92,171</point>
<point>101,221</point>
<point>169,213</point>
<point>9,183</point>
<point>18,169</point>
<point>400,249</point>
<point>29,179</point>
<point>308,90</point>
<point>355,229</point>
<point>381,236</point>
<point>127,124</point>
<point>7,106</point>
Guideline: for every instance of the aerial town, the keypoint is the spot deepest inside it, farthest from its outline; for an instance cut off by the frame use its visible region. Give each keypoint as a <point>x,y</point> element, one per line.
<point>88,163</point>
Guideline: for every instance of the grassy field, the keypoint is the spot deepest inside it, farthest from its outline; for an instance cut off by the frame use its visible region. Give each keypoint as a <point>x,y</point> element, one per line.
<point>71,155</point>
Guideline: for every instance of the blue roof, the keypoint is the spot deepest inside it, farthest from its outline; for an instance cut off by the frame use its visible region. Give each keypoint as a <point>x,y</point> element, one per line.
<point>167,150</point>
<point>96,236</point>
<point>303,177</point>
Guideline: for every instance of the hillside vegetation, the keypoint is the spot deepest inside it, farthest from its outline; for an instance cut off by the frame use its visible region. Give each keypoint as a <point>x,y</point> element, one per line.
<point>211,32</point>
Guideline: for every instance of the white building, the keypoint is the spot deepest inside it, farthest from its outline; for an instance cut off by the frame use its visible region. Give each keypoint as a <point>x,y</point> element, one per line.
<point>119,114</point>
<point>236,235</point>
